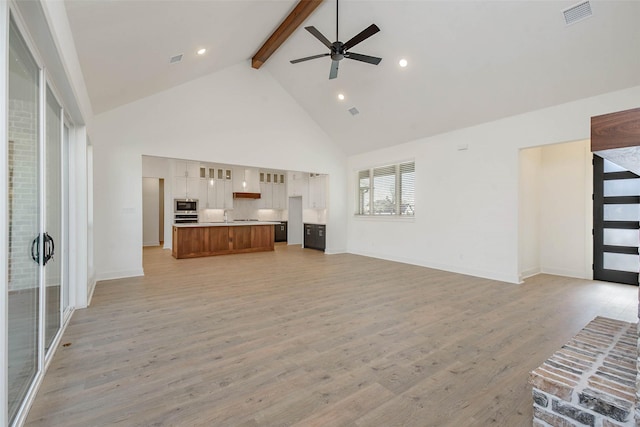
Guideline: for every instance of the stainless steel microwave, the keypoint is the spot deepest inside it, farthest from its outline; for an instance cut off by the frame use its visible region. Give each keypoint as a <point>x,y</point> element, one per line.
<point>185,205</point>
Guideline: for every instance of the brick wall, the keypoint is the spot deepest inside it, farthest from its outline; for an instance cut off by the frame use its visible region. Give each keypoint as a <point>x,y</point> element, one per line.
<point>23,193</point>
<point>591,380</point>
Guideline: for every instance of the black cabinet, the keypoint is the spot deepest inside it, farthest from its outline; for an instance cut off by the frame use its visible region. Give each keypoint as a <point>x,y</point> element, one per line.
<point>280,234</point>
<point>315,236</point>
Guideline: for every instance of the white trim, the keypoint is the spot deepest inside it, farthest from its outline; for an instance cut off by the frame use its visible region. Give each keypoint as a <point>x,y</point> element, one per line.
<point>4,223</point>
<point>529,273</point>
<point>334,251</point>
<point>91,289</point>
<point>390,218</point>
<point>566,273</point>
<point>122,274</point>
<point>492,275</point>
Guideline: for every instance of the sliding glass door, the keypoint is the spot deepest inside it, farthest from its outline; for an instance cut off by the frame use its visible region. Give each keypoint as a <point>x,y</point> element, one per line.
<point>37,150</point>
<point>24,220</point>
<point>53,219</point>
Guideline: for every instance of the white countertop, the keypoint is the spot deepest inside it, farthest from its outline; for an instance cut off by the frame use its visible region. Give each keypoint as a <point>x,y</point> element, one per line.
<point>226,224</point>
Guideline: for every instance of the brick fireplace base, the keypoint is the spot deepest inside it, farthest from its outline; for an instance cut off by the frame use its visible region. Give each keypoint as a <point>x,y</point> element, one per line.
<point>591,380</point>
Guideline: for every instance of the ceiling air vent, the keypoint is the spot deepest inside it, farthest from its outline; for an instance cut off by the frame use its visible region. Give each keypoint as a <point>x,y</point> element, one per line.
<point>175,59</point>
<point>354,111</point>
<point>577,13</point>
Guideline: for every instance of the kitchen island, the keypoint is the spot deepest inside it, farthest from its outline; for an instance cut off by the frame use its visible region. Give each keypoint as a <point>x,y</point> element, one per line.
<point>221,238</point>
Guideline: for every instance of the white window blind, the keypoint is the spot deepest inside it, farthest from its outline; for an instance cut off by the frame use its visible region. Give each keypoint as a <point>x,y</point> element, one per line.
<point>387,190</point>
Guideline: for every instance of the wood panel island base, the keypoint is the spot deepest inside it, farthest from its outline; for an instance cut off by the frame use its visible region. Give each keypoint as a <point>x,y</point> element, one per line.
<point>209,239</point>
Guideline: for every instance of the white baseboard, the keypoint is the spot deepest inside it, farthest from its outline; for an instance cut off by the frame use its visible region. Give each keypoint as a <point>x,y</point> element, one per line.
<point>111,275</point>
<point>501,277</point>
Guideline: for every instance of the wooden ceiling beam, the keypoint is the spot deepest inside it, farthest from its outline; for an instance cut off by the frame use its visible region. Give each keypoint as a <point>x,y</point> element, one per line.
<point>302,11</point>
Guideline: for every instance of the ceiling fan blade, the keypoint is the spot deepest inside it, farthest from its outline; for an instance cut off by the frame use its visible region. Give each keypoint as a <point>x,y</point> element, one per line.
<point>363,35</point>
<point>317,34</point>
<point>364,58</point>
<point>334,70</point>
<point>295,61</point>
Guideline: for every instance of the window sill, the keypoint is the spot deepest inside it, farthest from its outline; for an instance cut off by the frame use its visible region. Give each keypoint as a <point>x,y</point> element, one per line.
<point>389,218</point>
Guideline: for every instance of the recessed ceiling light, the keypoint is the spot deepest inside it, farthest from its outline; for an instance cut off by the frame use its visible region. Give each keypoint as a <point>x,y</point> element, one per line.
<point>201,51</point>
<point>403,62</point>
<point>341,96</point>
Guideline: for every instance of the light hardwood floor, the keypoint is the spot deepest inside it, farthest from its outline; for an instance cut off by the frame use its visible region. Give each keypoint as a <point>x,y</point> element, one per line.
<point>298,338</point>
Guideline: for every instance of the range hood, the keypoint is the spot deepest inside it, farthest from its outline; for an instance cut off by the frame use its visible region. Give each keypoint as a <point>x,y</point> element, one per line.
<point>239,195</point>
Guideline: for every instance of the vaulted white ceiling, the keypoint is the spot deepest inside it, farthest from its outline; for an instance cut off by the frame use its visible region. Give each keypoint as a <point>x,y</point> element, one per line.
<point>469,61</point>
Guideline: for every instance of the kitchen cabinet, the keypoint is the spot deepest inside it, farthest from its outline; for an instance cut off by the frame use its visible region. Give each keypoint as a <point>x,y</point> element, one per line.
<point>317,191</point>
<point>298,185</point>
<point>266,190</point>
<point>224,195</point>
<point>279,191</point>
<point>207,187</point>
<point>223,188</point>
<point>272,190</point>
<point>240,237</point>
<point>215,188</point>
<point>262,237</point>
<point>206,240</point>
<point>280,231</point>
<point>217,239</point>
<point>279,196</point>
<point>315,236</point>
<point>186,180</point>
<point>188,242</point>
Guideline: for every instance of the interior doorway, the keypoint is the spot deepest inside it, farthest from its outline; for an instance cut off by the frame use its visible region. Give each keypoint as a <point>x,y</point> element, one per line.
<point>152,211</point>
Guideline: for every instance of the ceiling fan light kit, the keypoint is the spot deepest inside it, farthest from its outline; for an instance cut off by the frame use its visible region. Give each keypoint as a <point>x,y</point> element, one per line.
<point>339,50</point>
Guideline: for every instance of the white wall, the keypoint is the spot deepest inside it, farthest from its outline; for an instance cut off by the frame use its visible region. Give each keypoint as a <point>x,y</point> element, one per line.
<point>529,216</point>
<point>236,116</point>
<point>556,183</point>
<point>566,215</point>
<point>467,205</point>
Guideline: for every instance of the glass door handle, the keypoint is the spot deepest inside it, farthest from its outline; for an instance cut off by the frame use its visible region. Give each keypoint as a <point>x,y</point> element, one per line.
<point>49,248</point>
<point>35,245</point>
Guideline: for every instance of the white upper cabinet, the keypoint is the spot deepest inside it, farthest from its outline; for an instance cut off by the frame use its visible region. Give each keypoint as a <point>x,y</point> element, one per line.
<point>272,190</point>
<point>298,185</point>
<point>279,190</point>
<point>317,191</point>
<point>186,180</point>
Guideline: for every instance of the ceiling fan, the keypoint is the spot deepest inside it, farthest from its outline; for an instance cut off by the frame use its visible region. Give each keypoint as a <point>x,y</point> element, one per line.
<point>339,50</point>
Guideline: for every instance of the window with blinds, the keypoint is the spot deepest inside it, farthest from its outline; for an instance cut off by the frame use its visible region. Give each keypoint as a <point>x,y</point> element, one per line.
<point>387,190</point>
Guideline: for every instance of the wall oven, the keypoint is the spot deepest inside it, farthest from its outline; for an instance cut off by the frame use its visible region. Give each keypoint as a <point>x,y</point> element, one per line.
<point>185,211</point>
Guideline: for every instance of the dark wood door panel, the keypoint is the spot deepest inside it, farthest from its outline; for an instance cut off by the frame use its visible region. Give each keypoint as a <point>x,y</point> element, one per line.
<point>261,236</point>
<point>240,237</point>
